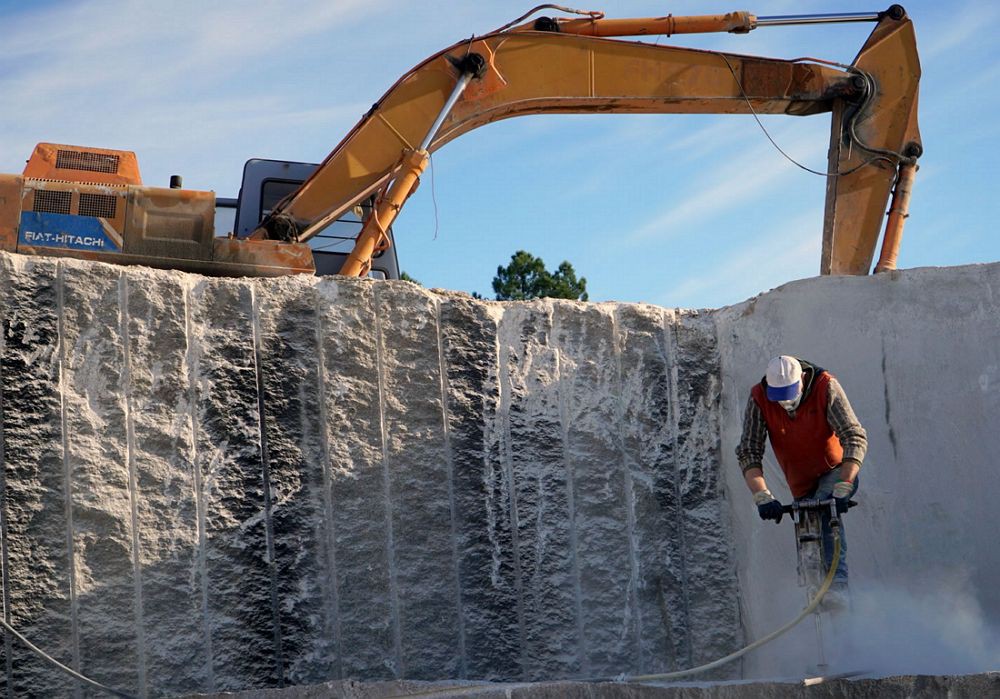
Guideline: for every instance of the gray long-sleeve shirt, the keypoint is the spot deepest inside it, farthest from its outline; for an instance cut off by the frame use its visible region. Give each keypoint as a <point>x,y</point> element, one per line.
<point>839,415</point>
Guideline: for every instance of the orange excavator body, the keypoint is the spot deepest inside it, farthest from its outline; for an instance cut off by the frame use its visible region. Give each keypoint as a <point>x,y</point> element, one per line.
<point>90,203</point>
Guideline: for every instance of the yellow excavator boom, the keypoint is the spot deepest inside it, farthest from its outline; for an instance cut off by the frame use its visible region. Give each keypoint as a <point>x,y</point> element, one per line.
<point>574,66</point>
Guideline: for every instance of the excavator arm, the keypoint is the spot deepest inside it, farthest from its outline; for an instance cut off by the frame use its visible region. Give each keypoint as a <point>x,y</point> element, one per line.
<point>887,128</point>
<point>575,66</point>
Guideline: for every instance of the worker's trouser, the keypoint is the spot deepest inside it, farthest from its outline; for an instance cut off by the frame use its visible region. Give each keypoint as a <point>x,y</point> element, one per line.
<point>823,491</point>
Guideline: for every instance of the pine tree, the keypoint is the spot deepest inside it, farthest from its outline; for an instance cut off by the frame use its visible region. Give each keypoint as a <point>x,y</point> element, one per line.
<point>526,278</point>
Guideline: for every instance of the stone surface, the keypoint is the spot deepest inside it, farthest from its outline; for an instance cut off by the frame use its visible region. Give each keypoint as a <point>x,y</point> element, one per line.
<point>37,555</point>
<point>211,485</point>
<point>918,353</point>
<point>902,687</point>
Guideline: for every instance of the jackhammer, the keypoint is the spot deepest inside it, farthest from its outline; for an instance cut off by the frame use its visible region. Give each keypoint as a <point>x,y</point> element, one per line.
<point>814,574</point>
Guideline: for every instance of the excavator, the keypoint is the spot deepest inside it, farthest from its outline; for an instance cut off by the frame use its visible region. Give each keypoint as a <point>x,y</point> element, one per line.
<point>90,202</point>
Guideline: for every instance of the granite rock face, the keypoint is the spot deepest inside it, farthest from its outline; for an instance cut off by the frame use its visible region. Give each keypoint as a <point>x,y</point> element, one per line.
<point>918,353</point>
<point>213,485</point>
<point>975,686</point>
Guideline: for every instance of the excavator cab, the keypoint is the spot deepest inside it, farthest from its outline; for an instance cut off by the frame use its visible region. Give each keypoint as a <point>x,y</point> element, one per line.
<point>267,182</point>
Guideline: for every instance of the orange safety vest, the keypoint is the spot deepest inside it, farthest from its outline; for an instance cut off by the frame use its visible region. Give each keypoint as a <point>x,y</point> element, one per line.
<point>805,446</point>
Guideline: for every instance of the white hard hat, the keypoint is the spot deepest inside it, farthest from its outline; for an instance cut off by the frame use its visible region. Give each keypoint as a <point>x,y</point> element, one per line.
<point>783,376</point>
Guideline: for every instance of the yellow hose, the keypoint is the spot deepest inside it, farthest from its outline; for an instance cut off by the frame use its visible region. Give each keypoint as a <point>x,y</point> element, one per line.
<point>761,641</point>
<point>823,589</point>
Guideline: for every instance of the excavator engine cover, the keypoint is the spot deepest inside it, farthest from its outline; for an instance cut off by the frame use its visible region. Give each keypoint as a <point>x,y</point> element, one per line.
<point>90,203</point>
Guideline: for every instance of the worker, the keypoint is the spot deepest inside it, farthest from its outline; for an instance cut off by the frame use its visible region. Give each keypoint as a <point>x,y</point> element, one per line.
<point>816,438</point>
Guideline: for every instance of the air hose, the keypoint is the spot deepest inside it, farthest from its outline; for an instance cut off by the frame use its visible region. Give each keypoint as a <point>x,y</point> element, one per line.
<point>761,641</point>
<point>660,677</point>
<point>59,666</point>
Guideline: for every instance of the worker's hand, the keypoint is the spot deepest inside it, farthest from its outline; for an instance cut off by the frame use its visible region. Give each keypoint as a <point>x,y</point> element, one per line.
<point>842,492</point>
<point>771,510</point>
<point>767,506</point>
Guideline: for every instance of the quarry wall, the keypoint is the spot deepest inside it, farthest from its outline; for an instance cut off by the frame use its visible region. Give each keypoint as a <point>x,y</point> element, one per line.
<point>220,484</point>
<point>214,484</point>
<point>918,353</point>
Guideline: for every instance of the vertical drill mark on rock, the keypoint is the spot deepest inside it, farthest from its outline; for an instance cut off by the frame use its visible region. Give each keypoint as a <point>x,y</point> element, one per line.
<point>4,555</point>
<point>666,616</point>
<point>279,659</point>
<point>452,504</point>
<point>333,606</point>
<point>582,655</point>
<point>193,369</point>
<point>885,394</point>
<point>629,493</point>
<point>506,388</point>
<point>670,343</point>
<point>133,490</point>
<point>67,476</point>
<point>397,640</point>
<point>469,332</point>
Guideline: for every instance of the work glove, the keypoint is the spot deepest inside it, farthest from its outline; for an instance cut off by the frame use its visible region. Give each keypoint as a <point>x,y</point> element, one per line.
<point>767,506</point>
<point>842,492</point>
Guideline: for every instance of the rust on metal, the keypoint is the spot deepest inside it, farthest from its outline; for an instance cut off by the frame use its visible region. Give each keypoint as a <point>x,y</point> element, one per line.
<point>492,81</point>
<point>259,258</point>
<point>176,223</point>
<point>11,187</point>
<point>738,22</point>
<point>759,78</point>
<point>151,226</point>
<point>231,258</point>
<point>898,211</point>
<point>571,69</point>
<point>53,161</point>
<point>373,238</point>
<point>106,203</point>
<point>856,201</point>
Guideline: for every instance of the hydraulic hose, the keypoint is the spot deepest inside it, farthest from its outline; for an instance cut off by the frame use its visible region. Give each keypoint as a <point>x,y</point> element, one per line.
<point>659,677</point>
<point>59,666</point>
<point>761,641</point>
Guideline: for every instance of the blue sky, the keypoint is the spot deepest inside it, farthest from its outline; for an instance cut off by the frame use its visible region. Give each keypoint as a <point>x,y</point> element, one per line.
<point>675,210</point>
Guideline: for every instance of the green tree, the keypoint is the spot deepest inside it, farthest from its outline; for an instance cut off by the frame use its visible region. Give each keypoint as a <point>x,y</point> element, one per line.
<point>526,278</point>
<point>407,278</point>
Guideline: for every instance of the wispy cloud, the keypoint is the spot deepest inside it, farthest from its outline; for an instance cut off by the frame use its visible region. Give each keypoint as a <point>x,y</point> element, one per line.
<point>730,184</point>
<point>154,48</point>
<point>963,26</point>
<point>791,251</point>
<point>179,79</point>
<point>721,132</point>
<point>964,92</point>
